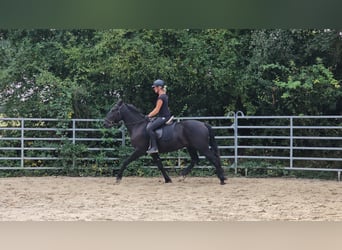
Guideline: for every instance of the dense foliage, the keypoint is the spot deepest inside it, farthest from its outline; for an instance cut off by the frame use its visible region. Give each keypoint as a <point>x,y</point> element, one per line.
<point>81,73</point>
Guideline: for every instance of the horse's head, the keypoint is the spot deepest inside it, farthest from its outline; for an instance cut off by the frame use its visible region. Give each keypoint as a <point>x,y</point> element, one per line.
<point>113,116</point>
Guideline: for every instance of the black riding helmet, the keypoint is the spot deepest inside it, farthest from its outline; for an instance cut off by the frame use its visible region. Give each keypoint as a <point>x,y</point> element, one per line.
<point>158,83</point>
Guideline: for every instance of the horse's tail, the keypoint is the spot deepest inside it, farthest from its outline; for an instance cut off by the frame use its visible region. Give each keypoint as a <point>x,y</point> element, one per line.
<point>212,141</point>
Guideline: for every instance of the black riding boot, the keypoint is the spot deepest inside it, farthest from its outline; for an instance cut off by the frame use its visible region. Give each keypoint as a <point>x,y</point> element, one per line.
<point>153,147</point>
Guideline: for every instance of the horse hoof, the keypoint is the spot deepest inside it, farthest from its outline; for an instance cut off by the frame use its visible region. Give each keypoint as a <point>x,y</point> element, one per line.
<point>168,181</point>
<point>118,181</point>
<point>223,183</point>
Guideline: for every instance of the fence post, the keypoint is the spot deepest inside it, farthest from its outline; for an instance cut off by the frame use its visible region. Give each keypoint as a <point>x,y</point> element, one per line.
<point>73,131</point>
<point>22,139</point>
<point>123,135</point>
<point>235,125</point>
<point>235,142</point>
<point>178,153</point>
<point>291,142</point>
<point>73,141</point>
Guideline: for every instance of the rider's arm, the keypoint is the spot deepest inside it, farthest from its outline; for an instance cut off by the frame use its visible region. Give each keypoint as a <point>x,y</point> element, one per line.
<point>156,110</point>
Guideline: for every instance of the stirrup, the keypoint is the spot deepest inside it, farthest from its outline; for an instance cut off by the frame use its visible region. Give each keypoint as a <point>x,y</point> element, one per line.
<point>152,151</point>
<point>170,120</point>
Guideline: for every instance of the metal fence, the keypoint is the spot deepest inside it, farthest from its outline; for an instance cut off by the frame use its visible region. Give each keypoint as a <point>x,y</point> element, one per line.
<point>312,143</point>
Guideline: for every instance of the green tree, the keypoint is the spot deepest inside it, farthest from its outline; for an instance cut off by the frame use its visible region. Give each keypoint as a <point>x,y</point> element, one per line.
<point>309,90</point>
<point>279,55</point>
<point>81,73</point>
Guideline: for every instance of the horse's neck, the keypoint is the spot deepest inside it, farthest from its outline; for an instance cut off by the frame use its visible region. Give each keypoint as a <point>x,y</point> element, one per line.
<point>133,119</point>
<point>135,126</point>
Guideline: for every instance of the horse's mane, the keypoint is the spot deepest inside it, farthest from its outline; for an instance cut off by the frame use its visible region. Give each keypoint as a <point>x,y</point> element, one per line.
<point>135,109</point>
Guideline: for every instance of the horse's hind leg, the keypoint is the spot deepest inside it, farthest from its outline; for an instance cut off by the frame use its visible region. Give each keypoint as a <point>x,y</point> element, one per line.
<point>215,160</point>
<point>194,160</point>
<point>158,162</point>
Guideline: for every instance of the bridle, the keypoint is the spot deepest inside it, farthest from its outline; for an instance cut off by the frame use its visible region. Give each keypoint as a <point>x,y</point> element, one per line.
<point>112,123</point>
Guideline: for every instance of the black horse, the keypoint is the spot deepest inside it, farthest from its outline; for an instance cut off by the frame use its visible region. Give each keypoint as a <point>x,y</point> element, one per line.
<point>192,134</point>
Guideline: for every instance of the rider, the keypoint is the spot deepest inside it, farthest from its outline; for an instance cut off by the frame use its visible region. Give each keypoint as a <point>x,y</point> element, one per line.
<point>162,112</point>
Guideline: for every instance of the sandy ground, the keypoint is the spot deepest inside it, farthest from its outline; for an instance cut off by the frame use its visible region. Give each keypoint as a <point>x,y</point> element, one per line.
<point>149,199</point>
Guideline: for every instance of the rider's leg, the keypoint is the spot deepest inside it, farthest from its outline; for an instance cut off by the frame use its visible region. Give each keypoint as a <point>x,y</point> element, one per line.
<point>151,127</point>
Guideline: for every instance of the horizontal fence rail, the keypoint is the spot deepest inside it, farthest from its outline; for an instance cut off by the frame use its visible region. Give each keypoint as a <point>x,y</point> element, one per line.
<point>311,143</point>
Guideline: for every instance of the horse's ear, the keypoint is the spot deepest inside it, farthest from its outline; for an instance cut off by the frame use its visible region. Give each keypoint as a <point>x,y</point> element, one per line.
<point>120,102</point>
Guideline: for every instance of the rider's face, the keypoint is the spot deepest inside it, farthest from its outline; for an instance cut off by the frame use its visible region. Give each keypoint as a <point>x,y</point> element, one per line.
<point>156,89</point>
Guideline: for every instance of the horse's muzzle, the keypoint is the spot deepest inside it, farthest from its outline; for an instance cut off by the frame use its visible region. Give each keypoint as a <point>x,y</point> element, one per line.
<point>108,124</point>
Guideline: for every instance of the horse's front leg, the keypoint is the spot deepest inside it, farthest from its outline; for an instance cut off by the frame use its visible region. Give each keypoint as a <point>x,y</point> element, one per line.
<point>135,155</point>
<point>158,162</point>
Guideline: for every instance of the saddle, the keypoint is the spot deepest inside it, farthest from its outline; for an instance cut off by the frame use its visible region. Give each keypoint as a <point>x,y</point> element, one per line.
<point>165,132</point>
